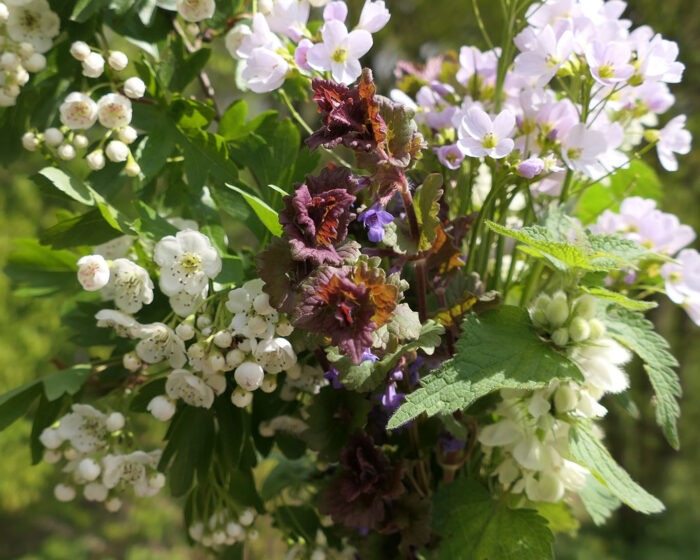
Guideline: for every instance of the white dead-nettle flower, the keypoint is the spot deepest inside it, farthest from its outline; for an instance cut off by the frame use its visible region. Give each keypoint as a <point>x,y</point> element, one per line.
<point>93,272</point>
<point>113,319</point>
<point>161,408</point>
<point>93,65</point>
<point>132,469</point>
<point>117,151</point>
<point>275,355</point>
<point>158,343</point>
<point>600,361</point>
<point>85,428</point>
<point>183,385</point>
<point>134,88</point>
<point>78,111</point>
<point>80,50</point>
<point>187,260</point>
<point>129,285</point>
<point>114,110</point>
<point>33,23</point>
<point>196,10</point>
<point>117,60</point>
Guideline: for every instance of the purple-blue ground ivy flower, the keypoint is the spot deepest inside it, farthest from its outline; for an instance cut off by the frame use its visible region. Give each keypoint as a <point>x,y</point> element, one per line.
<point>374,219</point>
<point>333,375</point>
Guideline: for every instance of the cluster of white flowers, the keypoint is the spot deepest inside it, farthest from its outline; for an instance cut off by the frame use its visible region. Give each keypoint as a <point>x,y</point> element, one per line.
<point>528,445</point>
<point>121,280</point>
<point>27,30</point>
<point>263,46</point>
<point>543,132</point>
<point>88,440</point>
<point>79,113</point>
<point>224,529</point>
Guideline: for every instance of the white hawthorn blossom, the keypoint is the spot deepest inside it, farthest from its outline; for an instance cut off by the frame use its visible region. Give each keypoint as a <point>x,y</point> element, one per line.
<point>187,262</point>
<point>33,23</point>
<point>85,428</point>
<point>93,272</point>
<point>133,469</point>
<point>196,10</point>
<point>183,385</point>
<point>114,110</point>
<point>78,111</point>
<point>130,286</point>
<point>113,319</point>
<point>158,343</point>
<point>275,355</point>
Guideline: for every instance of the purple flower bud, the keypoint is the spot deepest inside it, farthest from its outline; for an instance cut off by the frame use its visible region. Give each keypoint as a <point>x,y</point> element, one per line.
<point>367,355</point>
<point>391,399</point>
<point>450,156</point>
<point>301,52</point>
<point>530,168</point>
<point>374,219</point>
<point>333,375</point>
<point>397,375</point>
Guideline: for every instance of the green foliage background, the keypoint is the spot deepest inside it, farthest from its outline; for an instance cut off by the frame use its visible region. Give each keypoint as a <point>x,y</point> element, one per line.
<point>34,526</point>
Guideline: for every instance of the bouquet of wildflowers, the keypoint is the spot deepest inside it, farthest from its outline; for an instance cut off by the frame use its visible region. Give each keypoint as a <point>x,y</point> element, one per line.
<point>416,304</point>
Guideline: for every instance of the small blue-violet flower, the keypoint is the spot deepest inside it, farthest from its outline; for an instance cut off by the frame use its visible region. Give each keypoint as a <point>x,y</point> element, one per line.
<point>374,219</point>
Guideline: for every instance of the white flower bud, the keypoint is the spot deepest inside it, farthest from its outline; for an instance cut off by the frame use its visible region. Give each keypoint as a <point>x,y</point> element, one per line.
<point>565,398</point>
<point>64,493</point>
<point>89,469</point>
<point>216,361</point>
<point>78,111</point>
<point>21,76</point>
<point>66,152</point>
<point>9,61</point>
<point>161,408</point>
<point>80,50</point>
<point>93,65</point>
<point>95,492</point>
<point>128,135</point>
<point>70,454</point>
<point>50,438</point>
<point>30,141</point>
<point>539,310</point>
<point>93,272</point>
<point>132,169</point>
<point>241,398</point>
<point>579,330</point>
<point>207,541</point>
<point>223,339</point>
<point>238,300</point>
<point>234,530</point>
<point>586,306</point>
<point>196,531</point>
<point>560,337</point>
<point>11,90</point>
<point>219,537</point>
<point>245,346</point>
<point>26,49</point>
<point>96,160</point>
<point>203,321</point>
<point>558,310</point>
<point>80,141</point>
<point>50,456</point>
<point>597,328</point>
<point>134,88</point>
<point>247,517</point>
<point>117,151</point>
<point>185,331</point>
<point>117,60</point>
<point>196,10</point>
<point>156,481</point>
<point>7,100</point>
<point>53,137</point>
<point>249,376</point>
<point>252,535</point>
<point>318,554</point>
<point>234,358</point>
<point>114,110</point>
<point>284,328</point>
<point>269,384</point>
<point>131,361</point>
<point>35,63</point>
<point>113,505</point>
<point>266,430</point>
<point>115,422</point>
<point>261,304</point>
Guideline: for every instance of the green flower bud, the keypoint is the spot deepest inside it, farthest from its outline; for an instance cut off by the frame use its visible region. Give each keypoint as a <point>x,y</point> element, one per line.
<point>579,330</point>
<point>539,310</point>
<point>566,398</point>
<point>586,306</point>
<point>560,337</point>
<point>597,328</point>
<point>558,310</point>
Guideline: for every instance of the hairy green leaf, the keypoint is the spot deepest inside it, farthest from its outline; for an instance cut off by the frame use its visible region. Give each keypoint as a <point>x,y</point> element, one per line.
<point>598,501</point>
<point>620,299</point>
<point>427,207</point>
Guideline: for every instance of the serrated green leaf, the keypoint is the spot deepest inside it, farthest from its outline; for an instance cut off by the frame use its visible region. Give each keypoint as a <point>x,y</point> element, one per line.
<point>86,229</point>
<point>66,381</point>
<point>426,205</point>
<point>620,299</point>
<point>15,403</point>
<point>84,9</point>
<point>498,349</point>
<point>267,215</point>
<point>634,331</point>
<point>598,501</point>
<point>589,451</point>
<point>614,251</point>
<point>405,324</point>
<point>473,526</point>
<point>67,184</point>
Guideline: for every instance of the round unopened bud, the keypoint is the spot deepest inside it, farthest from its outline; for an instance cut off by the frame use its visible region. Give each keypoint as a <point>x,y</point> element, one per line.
<point>196,531</point>
<point>96,160</point>
<point>284,328</point>
<point>50,456</point>
<point>132,169</point>
<point>249,375</point>
<point>50,439</point>
<point>558,310</point>
<point>53,137</point>
<point>234,530</point>
<point>266,430</point>
<point>252,535</point>
<point>203,321</point>
<point>161,408</point>
<point>8,61</point>
<point>93,65</point>
<point>219,537</point>
<point>93,272</point>
<point>80,141</point>
<point>197,351</point>
<point>117,60</point>
<point>80,50</point>
<point>115,422</point>
<point>66,152</point>
<point>134,88</point>
<point>113,505</point>
<point>30,141</point>
<point>586,306</point>
<point>128,134</point>
<point>597,328</point>
<point>64,493</point>
<point>185,331</point>
<point>156,481</point>
<point>565,398</point>
<point>245,346</point>
<point>21,76</point>
<point>241,398</point>
<point>560,337</point>
<point>131,361</point>
<point>70,454</point>
<point>247,517</point>
<point>216,361</point>
<point>26,49</point>
<point>539,310</point>
<point>117,151</point>
<point>234,358</point>
<point>35,63</point>
<point>269,384</point>
<point>88,469</point>
<point>95,492</point>
<point>579,330</point>
<point>223,339</point>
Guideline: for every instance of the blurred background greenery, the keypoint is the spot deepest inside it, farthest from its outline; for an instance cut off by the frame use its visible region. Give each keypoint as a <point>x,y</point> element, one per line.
<point>34,526</point>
